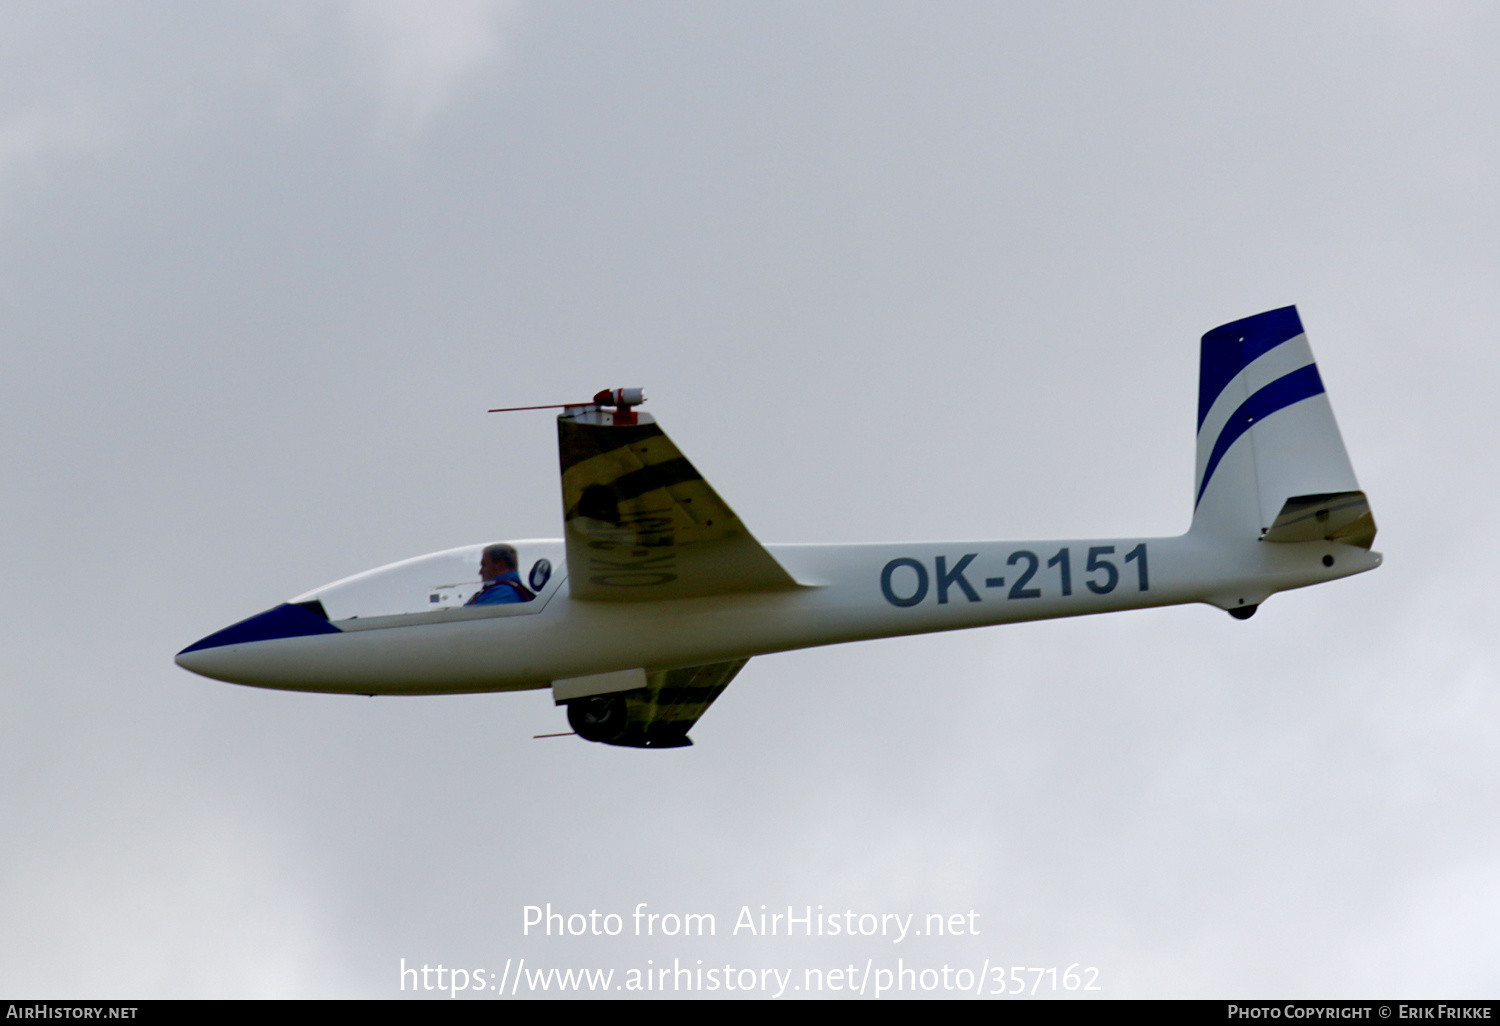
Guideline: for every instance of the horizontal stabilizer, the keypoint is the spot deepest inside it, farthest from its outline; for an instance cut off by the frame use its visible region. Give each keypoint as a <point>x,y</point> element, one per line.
<point>1337,516</point>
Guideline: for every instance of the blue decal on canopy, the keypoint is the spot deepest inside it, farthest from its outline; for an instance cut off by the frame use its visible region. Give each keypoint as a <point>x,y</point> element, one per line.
<point>284,621</point>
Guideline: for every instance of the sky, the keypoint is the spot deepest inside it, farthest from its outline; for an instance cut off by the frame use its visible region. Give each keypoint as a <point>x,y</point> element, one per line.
<point>886,271</point>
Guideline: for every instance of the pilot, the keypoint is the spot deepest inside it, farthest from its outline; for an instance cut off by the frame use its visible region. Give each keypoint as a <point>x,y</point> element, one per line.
<point>502,584</point>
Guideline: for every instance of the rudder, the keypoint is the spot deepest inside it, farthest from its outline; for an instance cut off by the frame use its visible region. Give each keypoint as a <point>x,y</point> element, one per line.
<point>1266,432</point>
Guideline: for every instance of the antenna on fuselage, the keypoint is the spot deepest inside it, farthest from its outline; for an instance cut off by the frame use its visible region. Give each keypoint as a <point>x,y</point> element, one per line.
<point>622,399</point>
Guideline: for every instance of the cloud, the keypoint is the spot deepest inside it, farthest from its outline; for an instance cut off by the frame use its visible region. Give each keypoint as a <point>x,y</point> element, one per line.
<point>140,74</point>
<point>29,139</point>
<point>201,904</point>
<point>421,55</point>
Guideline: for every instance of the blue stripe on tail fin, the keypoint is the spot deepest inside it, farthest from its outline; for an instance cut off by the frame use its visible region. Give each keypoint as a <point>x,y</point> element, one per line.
<point>1278,395</point>
<point>1232,347</point>
<point>1266,432</point>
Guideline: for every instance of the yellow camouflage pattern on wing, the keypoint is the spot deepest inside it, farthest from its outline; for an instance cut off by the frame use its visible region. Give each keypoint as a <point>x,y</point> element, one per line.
<point>641,524</point>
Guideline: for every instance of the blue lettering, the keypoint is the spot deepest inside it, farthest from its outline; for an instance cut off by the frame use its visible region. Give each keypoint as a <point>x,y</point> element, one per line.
<point>947,578</point>
<point>914,597</point>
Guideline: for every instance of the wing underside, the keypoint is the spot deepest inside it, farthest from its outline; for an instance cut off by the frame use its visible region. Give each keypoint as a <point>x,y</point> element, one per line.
<point>640,522</point>
<point>658,715</point>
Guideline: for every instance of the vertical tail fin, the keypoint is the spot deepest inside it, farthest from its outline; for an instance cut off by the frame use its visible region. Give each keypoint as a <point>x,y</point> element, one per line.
<point>1266,433</point>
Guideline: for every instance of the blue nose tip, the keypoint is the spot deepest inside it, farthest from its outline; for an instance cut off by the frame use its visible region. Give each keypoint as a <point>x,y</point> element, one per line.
<point>284,621</point>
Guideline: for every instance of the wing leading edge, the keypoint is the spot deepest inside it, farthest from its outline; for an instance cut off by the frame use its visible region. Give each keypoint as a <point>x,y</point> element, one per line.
<point>641,524</point>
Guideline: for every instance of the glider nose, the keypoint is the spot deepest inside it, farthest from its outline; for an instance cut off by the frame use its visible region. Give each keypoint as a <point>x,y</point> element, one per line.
<point>216,663</point>
<point>219,653</point>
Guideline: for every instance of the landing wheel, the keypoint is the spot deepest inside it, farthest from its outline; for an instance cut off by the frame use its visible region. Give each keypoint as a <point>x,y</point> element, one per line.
<point>1243,612</point>
<point>598,717</point>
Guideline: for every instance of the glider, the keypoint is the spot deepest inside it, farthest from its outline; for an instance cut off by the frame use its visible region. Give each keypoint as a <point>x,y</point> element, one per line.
<point>657,594</point>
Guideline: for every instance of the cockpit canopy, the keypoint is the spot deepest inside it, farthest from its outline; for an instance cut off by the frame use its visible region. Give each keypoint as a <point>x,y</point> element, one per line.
<point>495,577</point>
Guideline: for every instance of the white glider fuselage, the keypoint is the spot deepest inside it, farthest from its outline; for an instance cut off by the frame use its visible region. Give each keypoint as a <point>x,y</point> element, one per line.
<point>844,593</point>
<point>657,594</point>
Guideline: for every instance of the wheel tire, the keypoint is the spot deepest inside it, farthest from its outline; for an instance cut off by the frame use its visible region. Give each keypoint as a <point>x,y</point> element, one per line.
<point>598,717</point>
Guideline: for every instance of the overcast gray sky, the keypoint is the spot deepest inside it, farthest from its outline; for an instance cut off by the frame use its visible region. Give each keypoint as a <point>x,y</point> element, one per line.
<point>886,270</point>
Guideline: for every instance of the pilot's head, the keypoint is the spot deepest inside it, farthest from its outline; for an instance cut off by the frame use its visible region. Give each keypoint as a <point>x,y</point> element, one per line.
<point>496,560</point>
